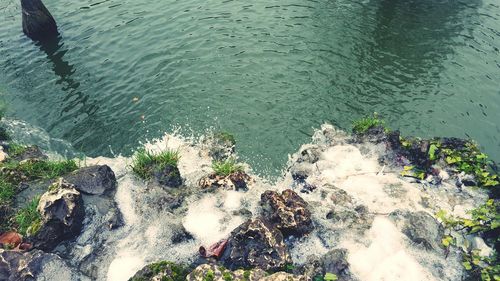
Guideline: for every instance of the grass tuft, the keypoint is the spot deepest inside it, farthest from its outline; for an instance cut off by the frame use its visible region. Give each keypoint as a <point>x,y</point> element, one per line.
<point>28,219</point>
<point>34,170</point>
<point>227,167</point>
<point>16,149</point>
<point>145,163</point>
<point>364,124</point>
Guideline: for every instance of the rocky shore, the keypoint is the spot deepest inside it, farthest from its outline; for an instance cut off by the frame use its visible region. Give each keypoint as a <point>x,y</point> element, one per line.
<point>371,205</point>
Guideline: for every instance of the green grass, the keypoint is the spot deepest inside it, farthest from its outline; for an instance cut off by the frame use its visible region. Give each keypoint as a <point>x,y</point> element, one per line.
<point>7,191</point>
<point>144,162</point>
<point>16,149</point>
<point>28,219</point>
<point>35,170</point>
<point>226,168</point>
<point>363,125</point>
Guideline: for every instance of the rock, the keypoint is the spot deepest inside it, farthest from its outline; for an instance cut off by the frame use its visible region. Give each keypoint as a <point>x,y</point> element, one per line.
<point>376,134</point>
<point>310,155</point>
<point>341,197</point>
<point>163,270</point>
<point>301,171</point>
<point>180,234</point>
<point>335,262</point>
<point>419,227</point>
<point>96,180</point>
<point>235,181</point>
<point>288,212</point>
<point>3,155</point>
<point>38,23</point>
<point>31,152</point>
<point>256,243</point>
<point>222,146</point>
<point>169,176</point>
<point>28,266</point>
<point>213,272</point>
<point>217,273</point>
<point>4,135</point>
<point>62,213</point>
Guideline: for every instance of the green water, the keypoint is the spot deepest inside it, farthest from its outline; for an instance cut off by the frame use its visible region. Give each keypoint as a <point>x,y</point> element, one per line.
<point>267,71</point>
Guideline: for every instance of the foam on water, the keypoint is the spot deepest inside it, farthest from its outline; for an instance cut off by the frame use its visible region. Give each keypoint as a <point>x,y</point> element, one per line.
<point>377,249</point>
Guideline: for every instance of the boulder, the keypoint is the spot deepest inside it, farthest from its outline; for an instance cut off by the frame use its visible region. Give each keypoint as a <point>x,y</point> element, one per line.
<point>163,270</point>
<point>256,243</point>
<point>38,23</point>
<point>222,146</point>
<point>26,266</point>
<point>235,181</point>
<point>334,262</point>
<point>31,152</point>
<point>217,273</point>
<point>96,180</point>
<point>420,227</point>
<point>287,211</point>
<point>169,176</point>
<point>62,213</point>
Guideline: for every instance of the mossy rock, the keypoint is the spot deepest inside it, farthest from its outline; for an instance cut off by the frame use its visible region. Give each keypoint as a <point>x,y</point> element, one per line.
<point>164,270</point>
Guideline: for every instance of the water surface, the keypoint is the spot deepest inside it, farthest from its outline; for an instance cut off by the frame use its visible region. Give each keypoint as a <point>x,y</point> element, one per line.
<point>267,71</point>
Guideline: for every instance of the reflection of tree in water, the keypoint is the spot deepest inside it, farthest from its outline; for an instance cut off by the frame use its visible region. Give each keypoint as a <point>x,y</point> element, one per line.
<point>412,38</point>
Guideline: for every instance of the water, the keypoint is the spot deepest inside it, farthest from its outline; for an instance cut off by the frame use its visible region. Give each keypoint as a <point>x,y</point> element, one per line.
<point>267,71</point>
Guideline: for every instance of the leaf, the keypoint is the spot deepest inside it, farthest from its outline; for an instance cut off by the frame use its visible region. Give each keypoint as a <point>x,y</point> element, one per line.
<point>467,265</point>
<point>432,152</point>
<point>408,168</point>
<point>453,159</point>
<point>330,277</point>
<point>446,241</point>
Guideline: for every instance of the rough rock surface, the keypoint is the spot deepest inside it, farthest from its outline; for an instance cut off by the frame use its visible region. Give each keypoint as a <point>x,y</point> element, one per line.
<point>169,176</point>
<point>38,23</point>
<point>222,146</point>
<point>287,211</point>
<point>95,180</point>
<point>31,152</point>
<point>235,181</point>
<point>163,270</point>
<point>256,243</point>
<point>23,266</point>
<point>335,262</point>
<point>420,227</point>
<point>217,273</point>
<point>62,214</point>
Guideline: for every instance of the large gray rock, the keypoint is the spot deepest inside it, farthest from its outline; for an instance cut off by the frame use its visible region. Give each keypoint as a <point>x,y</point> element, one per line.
<point>62,214</point>
<point>34,265</point>
<point>420,227</point>
<point>95,180</point>
<point>335,262</point>
<point>256,243</point>
<point>287,211</point>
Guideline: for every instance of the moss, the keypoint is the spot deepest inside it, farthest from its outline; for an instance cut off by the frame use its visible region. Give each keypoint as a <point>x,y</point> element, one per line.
<point>209,276</point>
<point>225,137</point>
<point>4,135</point>
<point>227,276</point>
<point>226,168</point>
<point>28,219</point>
<point>363,125</point>
<point>246,275</point>
<point>16,149</point>
<point>145,163</point>
<point>173,271</point>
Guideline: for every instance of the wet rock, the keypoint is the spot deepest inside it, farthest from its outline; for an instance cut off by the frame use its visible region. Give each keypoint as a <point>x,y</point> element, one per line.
<point>467,180</point>
<point>301,171</point>
<point>340,197</point>
<point>222,146</point>
<point>335,262</point>
<point>180,234</point>
<point>26,266</point>
<point>235,181</point>
<point>214,272</point>
<point>357,218</point>
<point>31,152</point>
<point>288,212</point>
<point>217,273</point>
<point>62,213</point>
<point>256,243</point>
<point>310,155</point>
<point>376,134</point>
<point>38,23</point>
<point>96,180</point>
<point>163,270</point>
<point>169,176</point>
<point>4,135</point>
<point>419,227</point>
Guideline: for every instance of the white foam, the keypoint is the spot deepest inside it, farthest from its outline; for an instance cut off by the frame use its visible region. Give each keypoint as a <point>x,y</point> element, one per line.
<point>385,259</point>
